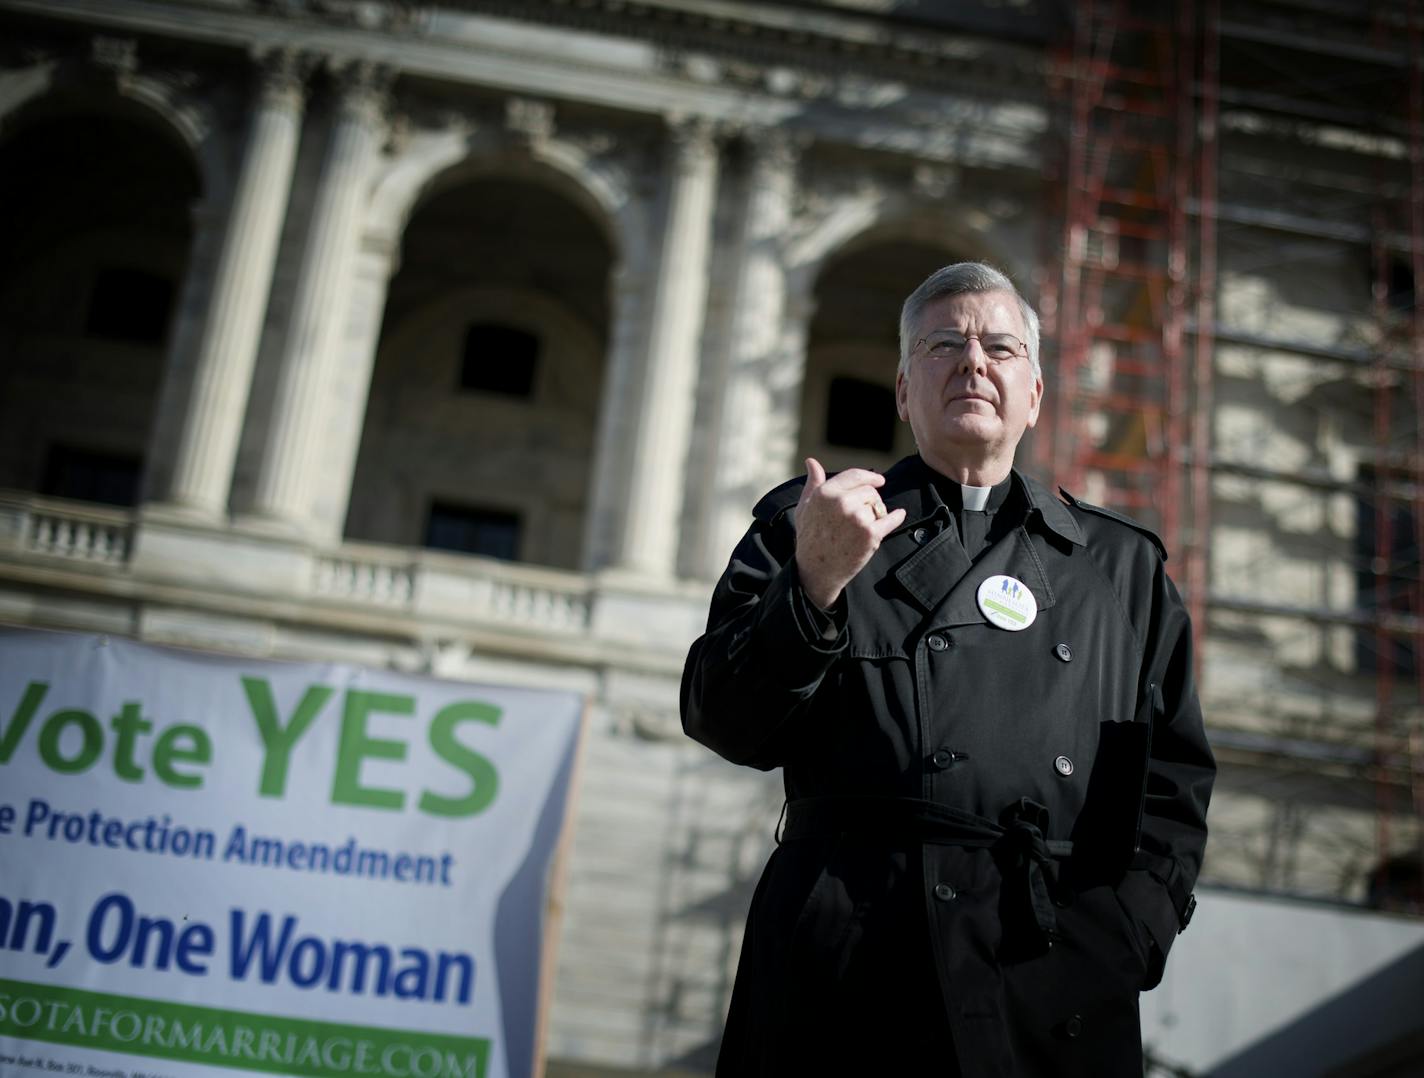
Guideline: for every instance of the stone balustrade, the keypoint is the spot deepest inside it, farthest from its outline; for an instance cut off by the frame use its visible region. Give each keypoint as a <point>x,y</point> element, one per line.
<point>70,530</point>
<point>361,577</point>
<point>464,589</point>
<point>365,574</point>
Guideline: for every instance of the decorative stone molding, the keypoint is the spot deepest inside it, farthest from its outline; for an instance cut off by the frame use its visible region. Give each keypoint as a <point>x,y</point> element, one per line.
<point>776,147</point>
<point>386,16</point>
<point>363,88</point>
<point>777,79</point>
<point>282,75</point>
<point>116,56</point>
<point>530,122</point>
<point>694,139</point>
<point>758,48</point>
<point>934,181</point>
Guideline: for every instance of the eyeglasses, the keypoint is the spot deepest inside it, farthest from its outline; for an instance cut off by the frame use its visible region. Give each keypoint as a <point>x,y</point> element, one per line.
<point>950,344</point>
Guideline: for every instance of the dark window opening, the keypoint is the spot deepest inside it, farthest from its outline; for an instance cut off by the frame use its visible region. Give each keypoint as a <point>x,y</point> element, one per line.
<point>89,475</point>
<point>499,359</point>
<point>466,529</point>
<point>1387,573</point>
<point>860,415</point>
<point>129,305</point>
<point>1399,285</point>
<point>1397,884</point>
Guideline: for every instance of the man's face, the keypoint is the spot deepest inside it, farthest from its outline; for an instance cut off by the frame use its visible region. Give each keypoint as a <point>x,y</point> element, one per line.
<point>971,408</point>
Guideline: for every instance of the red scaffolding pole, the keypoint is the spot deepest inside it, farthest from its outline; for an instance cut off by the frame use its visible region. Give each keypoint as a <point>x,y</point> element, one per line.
<point>1131,424</point>
<point>1398,491</point>
<point>1411,743</point>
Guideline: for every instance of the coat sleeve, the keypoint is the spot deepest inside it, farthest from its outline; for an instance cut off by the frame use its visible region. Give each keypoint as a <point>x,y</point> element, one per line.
<point>1157,888</point>
<point>750,678</point>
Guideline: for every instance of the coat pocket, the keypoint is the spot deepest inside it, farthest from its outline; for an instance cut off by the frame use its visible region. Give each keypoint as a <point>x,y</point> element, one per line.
<point>1098,927</point>
<point>1106,830</point>
<point>823,936</point>
<point>858,912</point>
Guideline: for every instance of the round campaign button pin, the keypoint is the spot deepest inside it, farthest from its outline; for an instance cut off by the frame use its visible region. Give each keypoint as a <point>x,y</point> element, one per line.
<point>1007,603</point>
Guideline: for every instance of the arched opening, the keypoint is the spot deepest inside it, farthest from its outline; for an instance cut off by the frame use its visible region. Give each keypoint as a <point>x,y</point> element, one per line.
<point>479,430</point>
<point>95,223</point>
<point>848,401</point>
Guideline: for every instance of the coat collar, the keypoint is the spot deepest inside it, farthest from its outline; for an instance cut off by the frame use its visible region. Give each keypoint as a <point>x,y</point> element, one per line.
<point>910,484</point>
<point>935,573</point>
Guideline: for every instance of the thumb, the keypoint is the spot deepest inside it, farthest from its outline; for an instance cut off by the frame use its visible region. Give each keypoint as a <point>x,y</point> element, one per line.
<point>815,474</point>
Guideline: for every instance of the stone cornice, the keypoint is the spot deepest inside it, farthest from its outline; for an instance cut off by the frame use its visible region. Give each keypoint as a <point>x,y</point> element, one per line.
<point>614,69</point>
<point>823,42</point>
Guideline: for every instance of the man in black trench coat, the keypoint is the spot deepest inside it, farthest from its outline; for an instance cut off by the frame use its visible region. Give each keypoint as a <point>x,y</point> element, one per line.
<point>982,700</point>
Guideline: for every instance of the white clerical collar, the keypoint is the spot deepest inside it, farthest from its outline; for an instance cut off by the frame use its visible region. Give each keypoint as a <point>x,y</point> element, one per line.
<point>975,498</point>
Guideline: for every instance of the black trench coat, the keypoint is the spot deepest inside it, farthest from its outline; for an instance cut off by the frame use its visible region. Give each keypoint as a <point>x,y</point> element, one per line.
<point>991,837</point>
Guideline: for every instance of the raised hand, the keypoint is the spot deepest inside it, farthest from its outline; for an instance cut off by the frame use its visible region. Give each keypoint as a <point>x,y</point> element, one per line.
<point>840,524</point>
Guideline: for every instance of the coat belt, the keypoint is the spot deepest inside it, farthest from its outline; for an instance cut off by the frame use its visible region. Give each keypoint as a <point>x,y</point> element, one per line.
<point>1026,857</point>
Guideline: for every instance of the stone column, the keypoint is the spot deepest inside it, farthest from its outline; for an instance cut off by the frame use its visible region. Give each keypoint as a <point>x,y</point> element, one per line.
<point>663,419</point>
<point>608,496</point>
<point>225,353</point>
<point>350,385</point>
<point>287,474</point>
<point>741,466</point>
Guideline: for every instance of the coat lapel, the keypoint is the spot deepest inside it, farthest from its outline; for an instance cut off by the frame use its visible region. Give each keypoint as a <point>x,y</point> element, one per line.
<point>938,576</point>
<point>929,573</point>
<point>1013,556</point>
<point>925,571</point>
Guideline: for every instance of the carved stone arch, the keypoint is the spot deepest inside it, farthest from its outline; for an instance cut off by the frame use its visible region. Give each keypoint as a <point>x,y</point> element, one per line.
<point>163,99</point>
<point>410,177</point>
<point>20,86</point>
<point>499,239</point>
<point>105,265</point>
<point>861,221</point>
<point>193,119</point>
<point>436,161</point>
<point>610,188</point>
<point>849,276</point>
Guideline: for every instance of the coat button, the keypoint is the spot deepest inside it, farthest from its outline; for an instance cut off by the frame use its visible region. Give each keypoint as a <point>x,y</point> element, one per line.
<point>942,758</point>
<point>919,535</point>
<point>1064,652</point>
<point>1063,765</point>
<point>1073,1026</point>
<point>944,892</point>
<point>937,642</point>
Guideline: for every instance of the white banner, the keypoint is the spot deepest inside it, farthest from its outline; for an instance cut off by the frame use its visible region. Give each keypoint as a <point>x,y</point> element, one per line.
<point>219,866</point>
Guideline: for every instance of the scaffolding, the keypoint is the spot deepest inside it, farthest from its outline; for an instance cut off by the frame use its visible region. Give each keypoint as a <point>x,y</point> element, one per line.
<point>1398,474</point>
<point>1184,127</point>
<point>1131,425</point>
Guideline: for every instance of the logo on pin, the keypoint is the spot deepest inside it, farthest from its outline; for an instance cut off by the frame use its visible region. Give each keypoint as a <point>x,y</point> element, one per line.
<point>1007,603</point>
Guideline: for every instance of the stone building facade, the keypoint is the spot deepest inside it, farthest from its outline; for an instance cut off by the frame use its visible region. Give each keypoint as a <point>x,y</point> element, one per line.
<point>462,337</point>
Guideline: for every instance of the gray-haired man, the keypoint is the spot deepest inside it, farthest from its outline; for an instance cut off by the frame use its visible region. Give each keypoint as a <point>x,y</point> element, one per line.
<point>982,701</point>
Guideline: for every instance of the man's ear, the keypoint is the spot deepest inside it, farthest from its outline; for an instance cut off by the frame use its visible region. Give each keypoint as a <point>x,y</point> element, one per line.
<point>902,398</point>
<point>1036,401</point>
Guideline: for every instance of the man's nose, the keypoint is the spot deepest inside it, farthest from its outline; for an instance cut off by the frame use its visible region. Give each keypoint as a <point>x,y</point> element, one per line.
<point>971,357</point>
